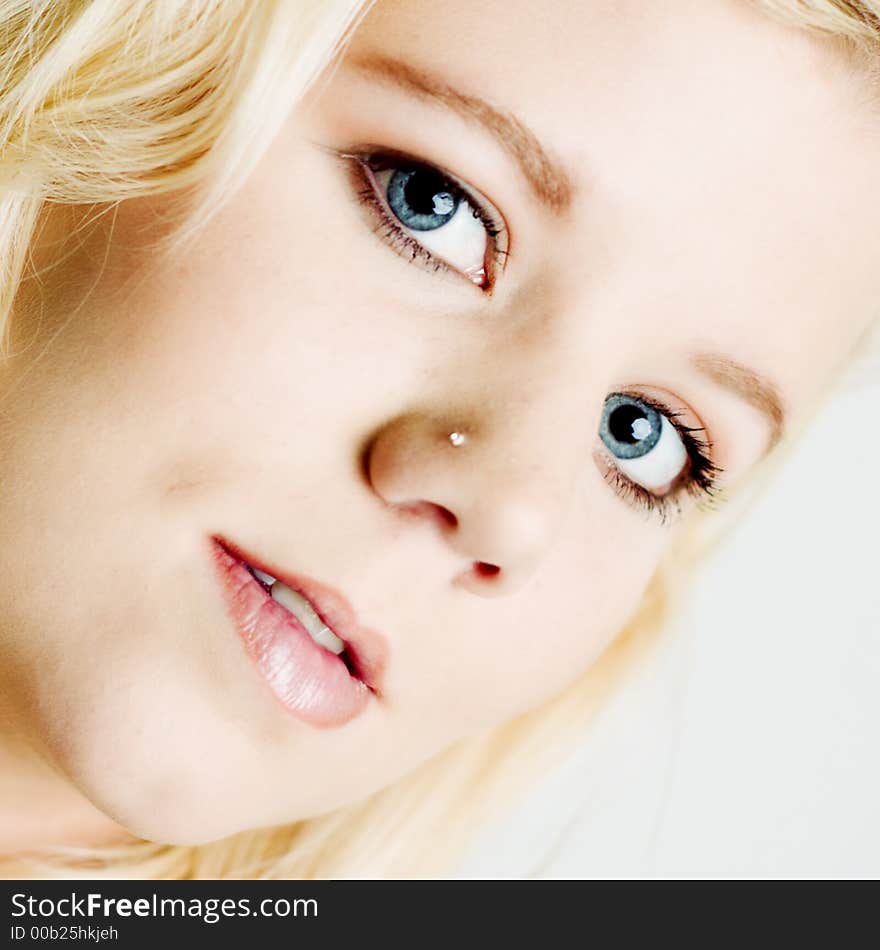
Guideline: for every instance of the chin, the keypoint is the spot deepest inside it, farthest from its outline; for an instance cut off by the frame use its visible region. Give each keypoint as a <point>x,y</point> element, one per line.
<point>172,820</point>
<point>148,795</point>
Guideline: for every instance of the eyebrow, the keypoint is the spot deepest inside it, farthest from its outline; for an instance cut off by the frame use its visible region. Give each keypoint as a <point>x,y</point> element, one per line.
<point>748,385</point>
<point>547,179</point>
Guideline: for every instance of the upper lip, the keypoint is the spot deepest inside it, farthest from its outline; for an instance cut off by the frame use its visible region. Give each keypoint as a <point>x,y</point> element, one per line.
<point>365,649</point>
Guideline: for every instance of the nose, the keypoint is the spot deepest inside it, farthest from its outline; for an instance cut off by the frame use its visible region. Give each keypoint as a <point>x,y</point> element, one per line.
<point>495,486</point>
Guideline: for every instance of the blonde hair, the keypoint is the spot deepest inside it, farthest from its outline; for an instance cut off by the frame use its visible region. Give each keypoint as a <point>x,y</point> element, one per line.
<point>105,100</point>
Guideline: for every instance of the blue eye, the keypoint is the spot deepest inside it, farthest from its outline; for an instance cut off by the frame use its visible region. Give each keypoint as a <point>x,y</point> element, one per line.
<point>429,216</point>
<point>421,199</point>
<point>630,428</point>
<point>644,445</point>
<point>435,218</point>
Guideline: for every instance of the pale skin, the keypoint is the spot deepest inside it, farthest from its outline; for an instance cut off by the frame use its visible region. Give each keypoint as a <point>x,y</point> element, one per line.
<point>290,381</point>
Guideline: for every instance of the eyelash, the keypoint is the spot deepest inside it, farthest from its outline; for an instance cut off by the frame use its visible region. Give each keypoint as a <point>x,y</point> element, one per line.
<point>392,232</point>
<point>699,480</point>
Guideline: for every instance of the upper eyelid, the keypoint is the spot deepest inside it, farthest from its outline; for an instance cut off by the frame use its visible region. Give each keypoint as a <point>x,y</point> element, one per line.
<point>395,158</point>
<point>476,198</point>
<point>363,153</point>
<point>699,433</point>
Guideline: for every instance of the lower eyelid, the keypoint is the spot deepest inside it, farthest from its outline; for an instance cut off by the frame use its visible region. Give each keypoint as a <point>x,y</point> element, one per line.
<point>636,498</point>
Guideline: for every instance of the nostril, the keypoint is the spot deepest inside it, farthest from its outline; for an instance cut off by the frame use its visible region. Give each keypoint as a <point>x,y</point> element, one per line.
<point>483,569</point>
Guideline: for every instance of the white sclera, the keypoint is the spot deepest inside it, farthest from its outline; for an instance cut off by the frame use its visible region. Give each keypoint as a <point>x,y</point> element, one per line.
<point>662,465</point>
<point>461,242</point>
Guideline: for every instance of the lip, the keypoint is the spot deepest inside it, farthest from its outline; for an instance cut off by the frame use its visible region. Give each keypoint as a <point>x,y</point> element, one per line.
<point>311,682</point>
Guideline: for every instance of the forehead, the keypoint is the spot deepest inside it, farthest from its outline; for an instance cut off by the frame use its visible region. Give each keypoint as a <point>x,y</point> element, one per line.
<point>724,163</point>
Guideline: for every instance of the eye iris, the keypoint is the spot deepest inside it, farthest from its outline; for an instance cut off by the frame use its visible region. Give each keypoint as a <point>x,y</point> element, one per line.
<point>630,428</point>
<point>421,199</point>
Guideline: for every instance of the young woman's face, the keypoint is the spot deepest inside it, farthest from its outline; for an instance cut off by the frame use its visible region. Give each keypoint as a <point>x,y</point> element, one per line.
<point>597,242</point>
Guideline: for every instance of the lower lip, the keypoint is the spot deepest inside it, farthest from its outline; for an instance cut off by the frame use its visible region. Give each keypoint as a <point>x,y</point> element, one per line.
<point>310,682</point>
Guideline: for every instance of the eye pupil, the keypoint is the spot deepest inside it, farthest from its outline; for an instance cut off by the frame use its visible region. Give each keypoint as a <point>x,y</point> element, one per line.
<point>630,428</point>
<point>629,424</point>
<point>421,199</point>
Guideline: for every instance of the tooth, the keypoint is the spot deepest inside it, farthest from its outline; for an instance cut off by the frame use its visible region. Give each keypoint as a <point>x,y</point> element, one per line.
<point>263,576</point>
<point>327,638</point>
<point>304,612</point>
<point>296,604</point>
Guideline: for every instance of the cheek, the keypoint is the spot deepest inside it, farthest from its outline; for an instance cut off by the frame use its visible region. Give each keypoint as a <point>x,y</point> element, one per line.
<point>254,330</point>
<point>579,603</point>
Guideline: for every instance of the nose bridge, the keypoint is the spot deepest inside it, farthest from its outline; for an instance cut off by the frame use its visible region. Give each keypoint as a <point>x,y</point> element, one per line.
<point>530,422</point>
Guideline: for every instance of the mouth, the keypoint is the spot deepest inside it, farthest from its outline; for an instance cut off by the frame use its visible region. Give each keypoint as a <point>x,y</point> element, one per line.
<point>303,638</point>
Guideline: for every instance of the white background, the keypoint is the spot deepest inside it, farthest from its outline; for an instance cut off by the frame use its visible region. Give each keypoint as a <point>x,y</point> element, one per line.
<point>751,750</point>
